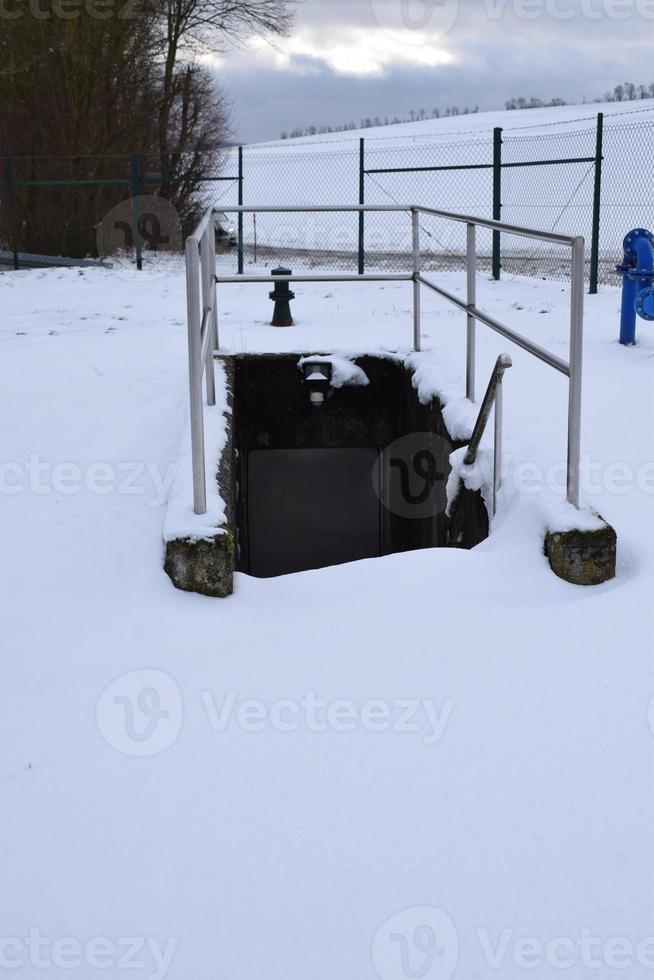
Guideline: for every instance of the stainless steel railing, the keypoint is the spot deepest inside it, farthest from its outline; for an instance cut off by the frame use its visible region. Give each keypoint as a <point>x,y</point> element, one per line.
<point>202,318</point>
<point>202,282</point>
<point>493,397</point>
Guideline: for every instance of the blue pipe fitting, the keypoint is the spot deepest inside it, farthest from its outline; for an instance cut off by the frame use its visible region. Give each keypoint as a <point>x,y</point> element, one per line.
<point>637,272</point>
<point>645,303</point>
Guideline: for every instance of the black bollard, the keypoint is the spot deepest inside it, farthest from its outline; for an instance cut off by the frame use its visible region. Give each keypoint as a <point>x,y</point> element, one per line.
<point>282,295</point>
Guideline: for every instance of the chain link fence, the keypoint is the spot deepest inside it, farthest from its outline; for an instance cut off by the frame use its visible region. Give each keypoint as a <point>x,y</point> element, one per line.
<point>586,179</point>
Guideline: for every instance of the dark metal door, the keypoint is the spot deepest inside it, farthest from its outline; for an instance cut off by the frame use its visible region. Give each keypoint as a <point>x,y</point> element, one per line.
<point>309,508</point>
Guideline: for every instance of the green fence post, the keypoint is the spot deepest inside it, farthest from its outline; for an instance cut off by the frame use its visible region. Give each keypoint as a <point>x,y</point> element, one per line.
<point>597,204</point>
<point>8,180</point>
<point>362,200</point>
<point>497,200</point>
<point>240,214</point>
<point>136,209</point>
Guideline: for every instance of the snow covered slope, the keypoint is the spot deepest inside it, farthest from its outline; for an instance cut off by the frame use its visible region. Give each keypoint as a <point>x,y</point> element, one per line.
<point>458,737</point>
<point>325,169</point>
<point>560,117</point>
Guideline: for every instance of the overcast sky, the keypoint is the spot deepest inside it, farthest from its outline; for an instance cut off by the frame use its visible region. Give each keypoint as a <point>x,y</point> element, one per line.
<point>350,59</point>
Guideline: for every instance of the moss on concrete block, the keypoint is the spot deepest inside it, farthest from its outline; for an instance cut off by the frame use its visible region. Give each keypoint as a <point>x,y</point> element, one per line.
<point>204,566</point>
<point>583,557</point>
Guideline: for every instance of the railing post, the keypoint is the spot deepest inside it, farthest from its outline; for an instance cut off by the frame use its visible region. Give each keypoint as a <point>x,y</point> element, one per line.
<point>497,451</point>
<point>415,223</point>
<point>471,271</point>
<point>194,314</point>
<point>597,204</point>
<point>497,200</point>
<point>215,343</point>
<point>576,367</point>
<point>362,200</point>
<point>240,214</point>
<point>136,210</point>
<point>207,282</point>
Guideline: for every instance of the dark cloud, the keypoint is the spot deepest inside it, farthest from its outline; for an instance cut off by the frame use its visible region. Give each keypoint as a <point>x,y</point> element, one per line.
<point>497,49</point>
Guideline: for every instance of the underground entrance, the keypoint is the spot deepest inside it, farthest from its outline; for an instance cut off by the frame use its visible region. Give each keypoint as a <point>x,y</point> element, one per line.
<point>334,461</point>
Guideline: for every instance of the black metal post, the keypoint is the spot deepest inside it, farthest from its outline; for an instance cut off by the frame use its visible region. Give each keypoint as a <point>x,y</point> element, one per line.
<point>497,200</point>
<point>136,209</point>
<point>240,214</point>
<point>362,200</point>
<point>11,206</point>
<point>597,204</point>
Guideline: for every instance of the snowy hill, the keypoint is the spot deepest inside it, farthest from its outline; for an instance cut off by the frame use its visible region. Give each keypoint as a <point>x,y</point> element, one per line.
<point>559,117</point>
<point>555,196</point>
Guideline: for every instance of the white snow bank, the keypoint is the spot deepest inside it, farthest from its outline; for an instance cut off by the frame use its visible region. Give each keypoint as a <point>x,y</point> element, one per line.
<point>548,512</point>
<point>433,379</point>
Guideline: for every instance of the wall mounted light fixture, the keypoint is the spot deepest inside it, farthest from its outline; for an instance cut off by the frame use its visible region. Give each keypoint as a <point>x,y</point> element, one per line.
<point>317,377</point>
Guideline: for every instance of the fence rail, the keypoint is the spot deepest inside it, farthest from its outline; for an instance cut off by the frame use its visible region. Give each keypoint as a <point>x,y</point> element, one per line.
<point>203,295</point>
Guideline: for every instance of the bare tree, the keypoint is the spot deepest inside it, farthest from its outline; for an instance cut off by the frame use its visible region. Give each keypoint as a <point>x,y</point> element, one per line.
<point>192,26</point>
<point>199,125</point>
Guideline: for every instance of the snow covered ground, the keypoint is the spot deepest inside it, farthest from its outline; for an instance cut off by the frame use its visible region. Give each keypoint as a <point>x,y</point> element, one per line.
<point>431,765</point>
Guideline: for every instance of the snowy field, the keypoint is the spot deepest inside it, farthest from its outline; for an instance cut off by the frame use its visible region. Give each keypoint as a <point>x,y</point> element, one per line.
<point>445,765</point>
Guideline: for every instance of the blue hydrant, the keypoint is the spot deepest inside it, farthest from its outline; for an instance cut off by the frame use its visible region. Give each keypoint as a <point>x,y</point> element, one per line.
<point>637,282</point>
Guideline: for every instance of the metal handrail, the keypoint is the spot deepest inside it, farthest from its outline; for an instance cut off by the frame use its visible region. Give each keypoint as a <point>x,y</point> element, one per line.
<point>493,396</point>
<point>202,300</point>
<point>202,312</point>
<point>521,231</point>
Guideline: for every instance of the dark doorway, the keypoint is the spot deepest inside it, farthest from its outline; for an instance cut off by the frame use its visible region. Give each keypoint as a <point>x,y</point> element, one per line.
<point>309,508</point>
<point>361,476</point>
